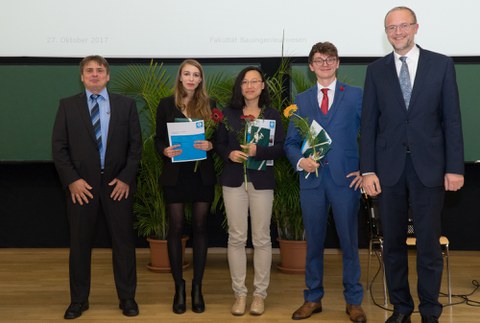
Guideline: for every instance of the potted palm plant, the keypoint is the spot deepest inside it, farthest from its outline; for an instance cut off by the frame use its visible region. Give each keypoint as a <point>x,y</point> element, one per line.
<point>148,84</point>
<point>286,205</point>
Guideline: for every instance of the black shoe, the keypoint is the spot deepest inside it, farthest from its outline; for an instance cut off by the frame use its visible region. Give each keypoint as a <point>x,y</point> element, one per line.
<point>429,319</point>
<point>129,307</point>
<point>179,306</point>
<point>198,304</point>
<point>75,310</point>
<point>399,318</point>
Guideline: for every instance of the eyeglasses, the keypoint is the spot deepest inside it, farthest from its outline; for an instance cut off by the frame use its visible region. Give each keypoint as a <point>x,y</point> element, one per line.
<point>328,60</point>
<point>251,82</point>
<point>402,27</point>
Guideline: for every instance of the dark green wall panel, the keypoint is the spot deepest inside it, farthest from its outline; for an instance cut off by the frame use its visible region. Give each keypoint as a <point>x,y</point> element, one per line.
<point>29,97</point>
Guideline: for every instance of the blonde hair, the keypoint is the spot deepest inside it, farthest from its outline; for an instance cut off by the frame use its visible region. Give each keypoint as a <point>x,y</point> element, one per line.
<point>199,105</point>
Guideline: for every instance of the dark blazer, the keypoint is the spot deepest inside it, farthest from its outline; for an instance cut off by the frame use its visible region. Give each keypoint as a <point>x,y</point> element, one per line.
<point>227,141</point>
<point>74,148</point>
<point>167,112</point>
<point>430,128</point>
<point>342,123</point>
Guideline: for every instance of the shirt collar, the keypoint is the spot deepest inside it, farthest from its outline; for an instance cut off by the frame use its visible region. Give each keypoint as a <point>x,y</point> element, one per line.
<point>331,86</point>
<point>413,54</point>
<point>103,94</point>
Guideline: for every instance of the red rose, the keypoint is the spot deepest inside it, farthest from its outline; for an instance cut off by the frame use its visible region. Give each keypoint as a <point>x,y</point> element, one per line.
<point>341,88</point>
<point>217,115</point>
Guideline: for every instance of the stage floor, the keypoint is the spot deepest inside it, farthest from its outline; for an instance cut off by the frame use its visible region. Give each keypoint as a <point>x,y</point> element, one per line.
<point>34,288</point>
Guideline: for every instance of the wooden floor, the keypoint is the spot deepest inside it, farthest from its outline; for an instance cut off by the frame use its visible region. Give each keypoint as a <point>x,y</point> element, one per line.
<point>34,288</point>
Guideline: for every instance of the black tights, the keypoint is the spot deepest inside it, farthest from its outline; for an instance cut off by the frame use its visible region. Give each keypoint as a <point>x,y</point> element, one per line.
<point>200,211</point>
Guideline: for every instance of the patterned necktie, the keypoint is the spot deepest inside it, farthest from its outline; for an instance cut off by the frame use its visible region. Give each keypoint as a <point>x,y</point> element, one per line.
<point>324,105</point>
<point>95,116</point>
<point>405,83</point>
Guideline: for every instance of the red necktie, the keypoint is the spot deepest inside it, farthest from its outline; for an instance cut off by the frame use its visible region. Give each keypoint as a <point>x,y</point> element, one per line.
<point>324,105</point>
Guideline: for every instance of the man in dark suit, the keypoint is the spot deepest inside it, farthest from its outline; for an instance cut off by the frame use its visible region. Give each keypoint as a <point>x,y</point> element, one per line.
<point>336,107</point>
<point>411,152</point>
<point>96,147</point>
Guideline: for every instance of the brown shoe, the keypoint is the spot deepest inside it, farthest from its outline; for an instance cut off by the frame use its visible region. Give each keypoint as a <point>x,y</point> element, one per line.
<point>356,313</point>
<point>306,310</point>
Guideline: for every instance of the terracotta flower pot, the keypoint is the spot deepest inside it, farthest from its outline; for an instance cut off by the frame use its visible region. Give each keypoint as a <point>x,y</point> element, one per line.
<point>293,256</point>
<point>159,261</point>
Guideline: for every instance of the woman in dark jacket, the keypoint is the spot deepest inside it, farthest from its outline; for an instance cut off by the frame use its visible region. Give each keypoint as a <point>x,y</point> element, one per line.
<point>182,183</point>
<point>248,191</point>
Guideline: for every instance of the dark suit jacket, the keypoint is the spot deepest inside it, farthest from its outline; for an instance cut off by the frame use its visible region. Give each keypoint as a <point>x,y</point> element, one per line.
<point>227,141</point>
<point>167,112</point>
<point>74,148</point>
<point>430,128</point>
<point>342,123</point>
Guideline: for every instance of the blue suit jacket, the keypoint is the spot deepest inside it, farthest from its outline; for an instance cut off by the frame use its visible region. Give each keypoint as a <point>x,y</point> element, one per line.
<point>342,123</point>
<point>430,128</point>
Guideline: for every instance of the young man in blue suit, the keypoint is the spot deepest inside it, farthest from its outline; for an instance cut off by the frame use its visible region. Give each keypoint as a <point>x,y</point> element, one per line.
<point>336,107</point>
<point>411,153</point>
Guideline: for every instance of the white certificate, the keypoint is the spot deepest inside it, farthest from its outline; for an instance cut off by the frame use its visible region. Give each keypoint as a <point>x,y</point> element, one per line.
<point>185,134</point>
<point>257,126</point>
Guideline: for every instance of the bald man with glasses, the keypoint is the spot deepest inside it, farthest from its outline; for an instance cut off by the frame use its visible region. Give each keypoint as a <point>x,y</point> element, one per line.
<point>411,153</point>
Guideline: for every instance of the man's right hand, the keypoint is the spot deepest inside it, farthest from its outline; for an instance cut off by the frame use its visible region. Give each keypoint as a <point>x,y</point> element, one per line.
<point>371,184</point>
<point>308,165</point>
<point>80,191</point>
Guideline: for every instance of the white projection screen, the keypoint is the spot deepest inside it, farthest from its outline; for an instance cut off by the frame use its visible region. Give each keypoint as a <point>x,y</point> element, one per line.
<point>225,28</point>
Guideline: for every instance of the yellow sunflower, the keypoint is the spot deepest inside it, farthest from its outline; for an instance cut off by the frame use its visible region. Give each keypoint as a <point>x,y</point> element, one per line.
<point>290,110</point>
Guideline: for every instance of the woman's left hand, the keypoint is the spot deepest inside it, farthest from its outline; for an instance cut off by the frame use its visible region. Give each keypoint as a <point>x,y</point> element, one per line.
<point>250,149</point>
<point>203,145</point>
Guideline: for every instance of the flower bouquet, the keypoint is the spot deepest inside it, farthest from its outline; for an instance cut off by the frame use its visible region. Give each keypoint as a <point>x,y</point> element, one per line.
<point>316,142</point>
<point>245,140</point>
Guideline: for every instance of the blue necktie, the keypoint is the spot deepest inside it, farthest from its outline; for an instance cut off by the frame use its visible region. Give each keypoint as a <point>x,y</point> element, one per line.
<point>95,116</point>
<point>405,83</point>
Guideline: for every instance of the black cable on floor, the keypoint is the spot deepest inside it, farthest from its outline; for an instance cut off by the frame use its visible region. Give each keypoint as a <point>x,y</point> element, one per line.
<point>463,298</point>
